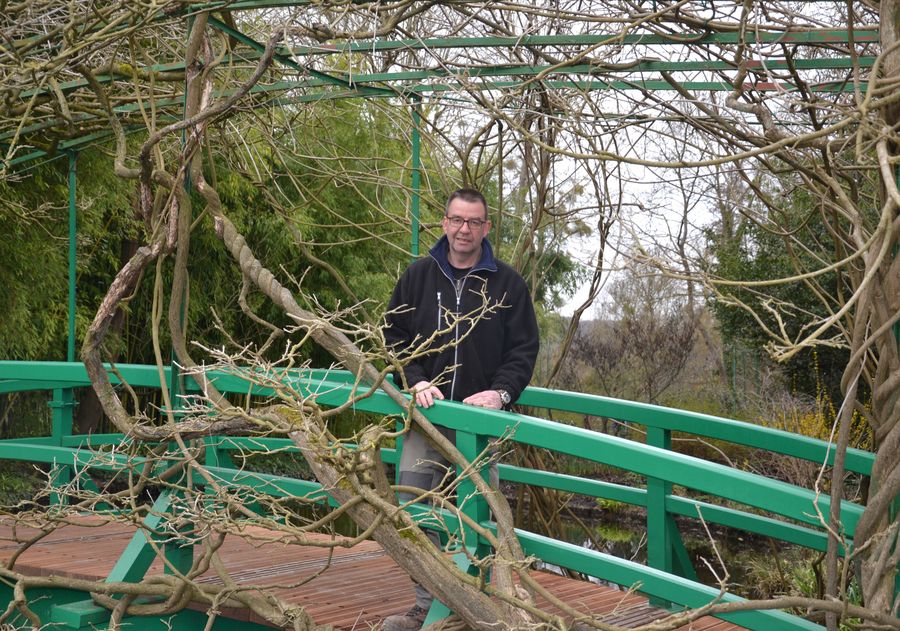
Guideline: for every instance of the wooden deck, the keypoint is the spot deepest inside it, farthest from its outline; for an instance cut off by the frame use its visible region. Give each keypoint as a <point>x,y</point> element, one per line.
<point>362,586</point>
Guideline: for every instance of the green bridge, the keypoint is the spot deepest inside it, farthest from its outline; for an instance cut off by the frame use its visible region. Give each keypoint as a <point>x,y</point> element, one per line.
<point>740,500</point>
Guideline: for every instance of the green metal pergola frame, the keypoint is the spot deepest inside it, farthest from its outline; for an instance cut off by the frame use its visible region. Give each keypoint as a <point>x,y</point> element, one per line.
<point>409,85</point>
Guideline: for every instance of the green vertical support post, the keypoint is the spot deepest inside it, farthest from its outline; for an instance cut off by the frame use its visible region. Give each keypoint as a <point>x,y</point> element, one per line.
<point>73,251</point>
<point>63,402</point>
<point>415,202</point>
<point>216,456</point>
<point>659,546</point>
<point>415,212</point>
<point>61,423</point>
<point>473,505</point>
<point>665,548</point>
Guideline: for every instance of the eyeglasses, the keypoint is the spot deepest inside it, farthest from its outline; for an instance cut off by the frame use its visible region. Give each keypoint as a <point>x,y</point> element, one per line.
<point>457,222</point>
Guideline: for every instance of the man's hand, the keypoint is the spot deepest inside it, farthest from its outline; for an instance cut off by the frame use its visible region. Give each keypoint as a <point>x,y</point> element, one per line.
<point>426,393</point>
<point>485,399</point>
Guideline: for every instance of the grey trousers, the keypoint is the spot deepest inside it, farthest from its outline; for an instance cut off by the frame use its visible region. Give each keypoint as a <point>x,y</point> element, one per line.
<point>421,466</point>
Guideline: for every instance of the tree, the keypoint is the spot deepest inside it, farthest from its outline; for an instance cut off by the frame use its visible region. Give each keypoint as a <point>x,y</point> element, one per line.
<point>640,348</point>
<point>71,69</point>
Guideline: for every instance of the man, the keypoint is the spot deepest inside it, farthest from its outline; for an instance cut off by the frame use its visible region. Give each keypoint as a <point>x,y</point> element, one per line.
<point>478,313</point>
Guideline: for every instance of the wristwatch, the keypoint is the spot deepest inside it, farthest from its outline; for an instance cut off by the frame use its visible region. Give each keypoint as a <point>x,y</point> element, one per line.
<point>505,399</point>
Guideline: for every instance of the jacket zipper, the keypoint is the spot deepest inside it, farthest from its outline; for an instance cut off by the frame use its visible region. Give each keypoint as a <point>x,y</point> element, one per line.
<point>458,287</point>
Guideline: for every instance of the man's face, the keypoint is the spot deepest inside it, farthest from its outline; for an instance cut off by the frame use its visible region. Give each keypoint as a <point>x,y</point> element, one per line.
<point>465,239</point>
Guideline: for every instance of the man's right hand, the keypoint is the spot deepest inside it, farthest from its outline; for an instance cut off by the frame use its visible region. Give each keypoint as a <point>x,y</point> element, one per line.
<point>426,393</point>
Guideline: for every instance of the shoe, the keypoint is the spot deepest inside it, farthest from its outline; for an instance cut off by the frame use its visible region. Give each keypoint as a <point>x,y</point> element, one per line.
<point>412,620</point>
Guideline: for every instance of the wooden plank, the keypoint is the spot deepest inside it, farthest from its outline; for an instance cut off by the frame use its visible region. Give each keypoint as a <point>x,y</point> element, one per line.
<point>360,587</point>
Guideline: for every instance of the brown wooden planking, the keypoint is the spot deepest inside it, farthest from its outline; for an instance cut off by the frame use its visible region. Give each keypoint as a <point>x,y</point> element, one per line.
<point>362,586</point>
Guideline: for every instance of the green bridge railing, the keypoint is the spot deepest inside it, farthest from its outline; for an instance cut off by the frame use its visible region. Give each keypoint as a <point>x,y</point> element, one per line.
<point>769,507</point>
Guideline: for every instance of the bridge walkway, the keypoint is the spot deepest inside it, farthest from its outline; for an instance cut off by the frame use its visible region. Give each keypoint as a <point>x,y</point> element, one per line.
<point>361,586</point>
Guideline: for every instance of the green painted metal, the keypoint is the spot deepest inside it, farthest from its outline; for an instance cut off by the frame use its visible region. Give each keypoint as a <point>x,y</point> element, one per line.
<point>21,385</point>
<point>416,196</point>
<point>280,487</point>
<point>81,614</point>
<point>653,582</point>
<point>73,252</point>
<point>63,147</point>
<point>62,406</point>
<point>351,82</point>
<point>31,440</point>
<point>475,425</point>
<point>588,69</point>
<point>659,543</point>
<point>818,36</point>
<point>749,522</point>
<point>140,552</point>
<point>92,440</point>
<point>46,602</point>
<point>473,447</point>
<point>708,426</point>
<point>682,564</point>
<point>440,611</point>
<point>732,431</point>
<point>574,484</point>
<point>216,456</point>
<point>290,63</point>
<point>771,495</point>
<point>454,87</point>
<point>587,561</point>
<point>739,486</point>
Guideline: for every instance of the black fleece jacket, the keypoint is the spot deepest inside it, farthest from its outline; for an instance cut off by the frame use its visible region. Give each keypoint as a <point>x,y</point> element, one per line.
<point>489,311</point>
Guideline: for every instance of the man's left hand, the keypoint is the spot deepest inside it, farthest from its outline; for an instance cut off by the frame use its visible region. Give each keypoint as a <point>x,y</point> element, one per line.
<point>485,399</point>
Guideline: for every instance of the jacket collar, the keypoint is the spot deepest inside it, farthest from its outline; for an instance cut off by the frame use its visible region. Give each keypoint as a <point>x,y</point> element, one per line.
<point>486,263</point>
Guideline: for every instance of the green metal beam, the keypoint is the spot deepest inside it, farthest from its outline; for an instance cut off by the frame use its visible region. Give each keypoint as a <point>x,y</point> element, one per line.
<point>140,553</point>
<point>466,76</point>
<point>736,432</point>
<point>23,385</point>
<point>862,34</point>
<point>42,450</point>
<point>290,63</point>
<point>415,200</point>
<point>654,583</point>
<point>73,253</point>
<point>711,513</point>
<point>404,85</point>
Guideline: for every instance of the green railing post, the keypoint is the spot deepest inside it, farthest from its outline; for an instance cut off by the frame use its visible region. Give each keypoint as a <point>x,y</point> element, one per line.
<point>659,550</point>
<point>472,504</point>
<point>216,456</point>
<point>659,545</point>
<point>62,407</point>
<point>469,500</point>
<point>665,548</point>
<point>415,200</point>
